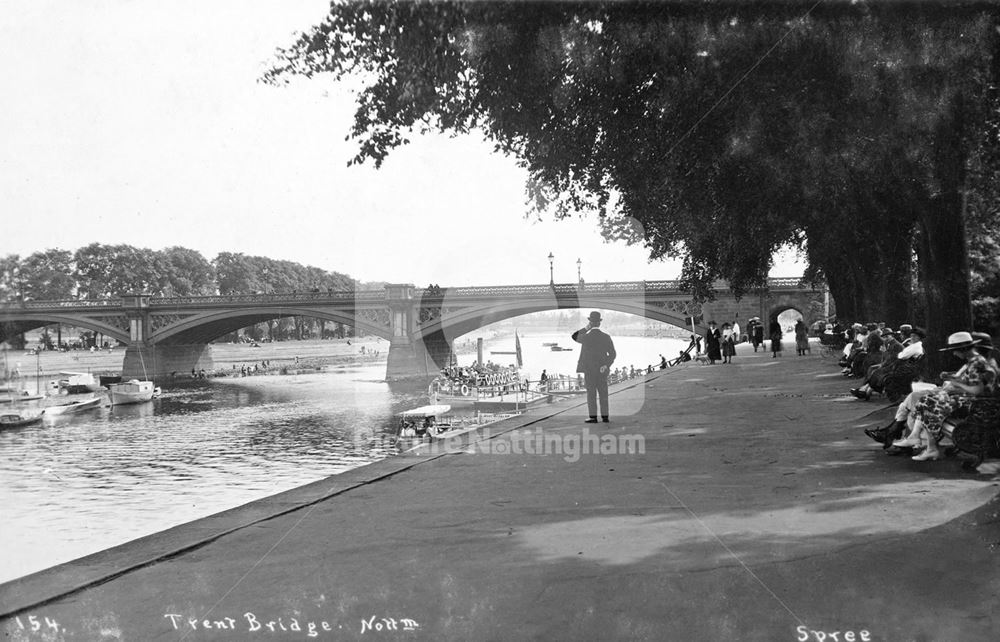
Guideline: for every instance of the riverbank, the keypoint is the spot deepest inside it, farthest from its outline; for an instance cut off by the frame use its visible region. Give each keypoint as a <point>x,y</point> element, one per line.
<point>228,357</point>
<point>755,509</point>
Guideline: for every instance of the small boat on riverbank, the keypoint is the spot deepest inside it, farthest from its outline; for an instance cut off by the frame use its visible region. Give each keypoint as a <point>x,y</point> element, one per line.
<point>19,418</point>
<point>433,422</point>
<point>77,383</point>
<point>132,391</point>
<point>77,405</point>
<point>423,421</point>
<point>18,396</point>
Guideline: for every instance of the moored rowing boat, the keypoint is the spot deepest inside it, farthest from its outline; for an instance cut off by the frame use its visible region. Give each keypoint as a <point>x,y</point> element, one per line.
<point>77,405</point>
<point>19,418</point>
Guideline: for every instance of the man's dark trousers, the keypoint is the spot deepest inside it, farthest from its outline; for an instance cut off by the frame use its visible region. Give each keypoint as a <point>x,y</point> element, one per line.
<point>597,385</point>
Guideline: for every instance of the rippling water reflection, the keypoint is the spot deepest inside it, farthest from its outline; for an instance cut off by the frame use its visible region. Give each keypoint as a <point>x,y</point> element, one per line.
<point>79,484</point>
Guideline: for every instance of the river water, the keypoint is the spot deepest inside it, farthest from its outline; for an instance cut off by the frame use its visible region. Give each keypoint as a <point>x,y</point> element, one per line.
<point>78,484</point>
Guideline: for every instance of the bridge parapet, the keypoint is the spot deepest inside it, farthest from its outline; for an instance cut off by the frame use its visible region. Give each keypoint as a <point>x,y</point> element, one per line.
<point>61,304</point>
<point>293,297</point>
<point>607,287</point>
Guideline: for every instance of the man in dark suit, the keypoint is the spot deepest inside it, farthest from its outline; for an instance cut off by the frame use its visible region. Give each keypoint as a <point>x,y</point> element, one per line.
<point>596,356</point>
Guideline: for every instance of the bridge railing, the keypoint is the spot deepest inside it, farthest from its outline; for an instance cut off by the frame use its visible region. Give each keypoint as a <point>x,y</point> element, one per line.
<point>347,295</point>
<point>611,287</point>
<point>65,303</point>
<point>607,287</point>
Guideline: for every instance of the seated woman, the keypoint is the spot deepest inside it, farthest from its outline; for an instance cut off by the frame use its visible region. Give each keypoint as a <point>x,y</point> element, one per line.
<point>854,350</point>
<point>989,353</point>
<point>878,375</point>
<point>904,419</point>
<point>958,391</point>
<point>871,352</point>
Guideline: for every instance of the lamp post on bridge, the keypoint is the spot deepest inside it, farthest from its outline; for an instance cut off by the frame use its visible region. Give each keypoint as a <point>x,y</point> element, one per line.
<point>552,281</point>
<point>579,274</point>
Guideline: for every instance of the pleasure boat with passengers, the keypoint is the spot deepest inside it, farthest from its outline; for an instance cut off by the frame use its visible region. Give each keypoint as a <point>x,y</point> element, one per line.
<point>434,422</point>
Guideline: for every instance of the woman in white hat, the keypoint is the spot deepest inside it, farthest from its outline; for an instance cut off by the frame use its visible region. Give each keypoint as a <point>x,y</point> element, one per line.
<point>958,391</point>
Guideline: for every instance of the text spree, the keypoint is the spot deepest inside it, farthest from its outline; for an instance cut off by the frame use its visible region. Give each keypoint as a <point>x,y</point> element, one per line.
<point>252,623</point>
<point>804,633</point>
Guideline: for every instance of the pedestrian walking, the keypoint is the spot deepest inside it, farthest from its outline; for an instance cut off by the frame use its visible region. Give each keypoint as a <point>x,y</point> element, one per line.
<point>728,344</point>
<point>597,353</point>
<point>801,338</point>
<point>713,343</point>
<point>775,335</point>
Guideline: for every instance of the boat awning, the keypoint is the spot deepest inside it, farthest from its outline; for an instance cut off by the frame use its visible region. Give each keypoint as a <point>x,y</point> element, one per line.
<point>426,411</point>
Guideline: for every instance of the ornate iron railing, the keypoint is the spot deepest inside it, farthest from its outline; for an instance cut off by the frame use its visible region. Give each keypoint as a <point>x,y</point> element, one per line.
<point>67,303</point>
<point>292,297</point>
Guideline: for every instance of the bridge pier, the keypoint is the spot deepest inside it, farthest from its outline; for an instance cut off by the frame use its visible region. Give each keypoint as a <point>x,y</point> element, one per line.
<point>411,358</point>
<point>143,361</point>
<point>416,359</point>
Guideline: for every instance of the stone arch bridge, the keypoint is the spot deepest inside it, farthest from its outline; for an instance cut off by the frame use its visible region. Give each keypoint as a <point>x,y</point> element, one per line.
<point>167,334</point>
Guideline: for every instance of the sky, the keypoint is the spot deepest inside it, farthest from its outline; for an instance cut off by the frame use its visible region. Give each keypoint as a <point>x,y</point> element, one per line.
<point>144,122</point>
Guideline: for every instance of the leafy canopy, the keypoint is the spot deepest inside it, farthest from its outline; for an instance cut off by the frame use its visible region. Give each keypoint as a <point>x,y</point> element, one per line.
<point>714,132</point>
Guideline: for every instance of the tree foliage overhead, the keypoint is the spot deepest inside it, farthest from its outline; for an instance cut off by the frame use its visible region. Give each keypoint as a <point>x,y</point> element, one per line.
<point>715,132</point>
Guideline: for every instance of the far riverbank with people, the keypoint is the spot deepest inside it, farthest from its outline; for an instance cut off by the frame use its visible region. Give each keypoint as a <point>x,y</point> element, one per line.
<point>228,358</point>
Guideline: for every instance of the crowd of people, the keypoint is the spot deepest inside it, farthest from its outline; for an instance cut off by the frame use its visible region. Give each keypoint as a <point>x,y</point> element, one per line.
<point>721,341</point>
<point>891,362</point>
<point>479,374</point>
<point>885,360</point>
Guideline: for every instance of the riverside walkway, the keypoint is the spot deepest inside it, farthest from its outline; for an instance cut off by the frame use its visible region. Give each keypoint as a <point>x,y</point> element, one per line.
<point>755,509</point>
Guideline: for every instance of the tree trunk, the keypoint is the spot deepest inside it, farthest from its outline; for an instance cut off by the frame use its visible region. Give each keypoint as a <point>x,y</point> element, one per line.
<point>894,281</point>
<point>943,251</point>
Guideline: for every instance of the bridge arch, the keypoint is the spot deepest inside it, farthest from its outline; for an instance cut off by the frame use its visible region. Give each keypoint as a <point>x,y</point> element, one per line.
<point>205,327</point>
<point>474,317</point>
<point>16,324</point>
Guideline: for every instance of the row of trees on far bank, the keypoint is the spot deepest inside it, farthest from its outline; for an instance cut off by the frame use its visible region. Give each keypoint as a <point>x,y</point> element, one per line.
<point>106,271</point>
<point>863,134</point>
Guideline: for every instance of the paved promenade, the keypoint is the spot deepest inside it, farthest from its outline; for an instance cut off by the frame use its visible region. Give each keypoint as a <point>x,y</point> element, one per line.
<point>732,502</point>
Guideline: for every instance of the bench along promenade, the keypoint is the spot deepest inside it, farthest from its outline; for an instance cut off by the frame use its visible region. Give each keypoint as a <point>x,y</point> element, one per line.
<point>173,334</point>
<point>727,502</point>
